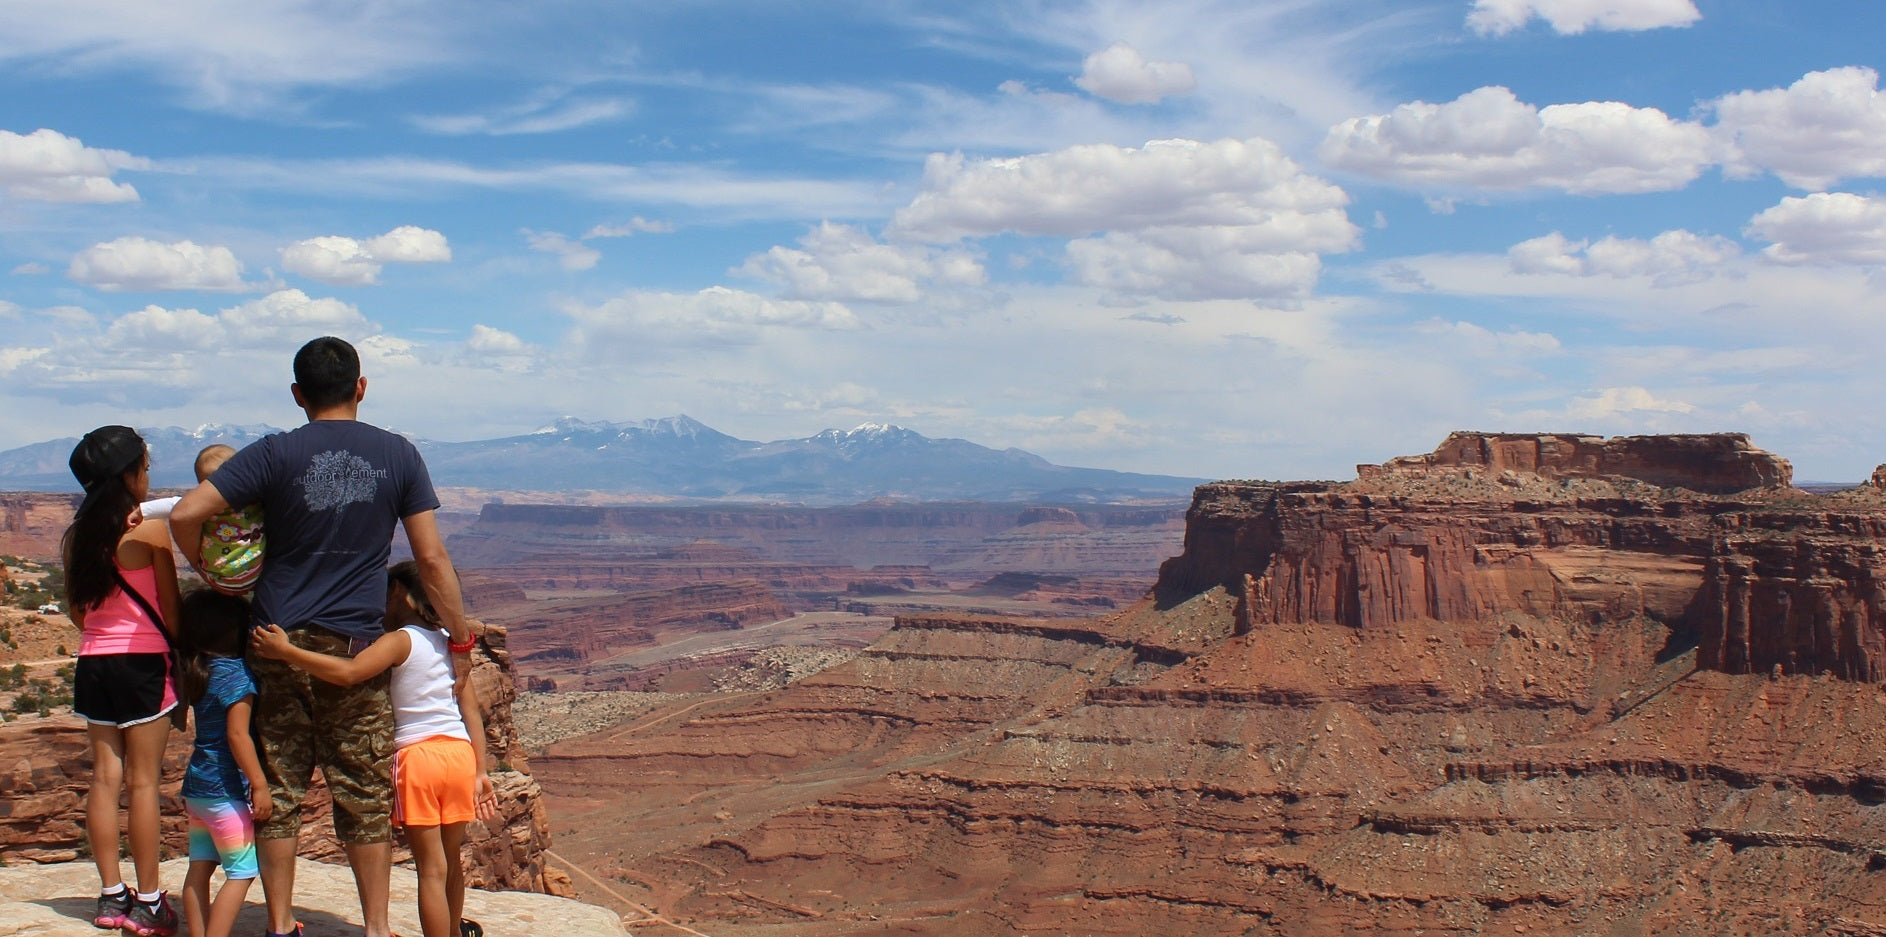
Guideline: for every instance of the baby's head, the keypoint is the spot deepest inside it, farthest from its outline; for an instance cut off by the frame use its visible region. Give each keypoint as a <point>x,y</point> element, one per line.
<point>211,459</point>
<point>406,602</point>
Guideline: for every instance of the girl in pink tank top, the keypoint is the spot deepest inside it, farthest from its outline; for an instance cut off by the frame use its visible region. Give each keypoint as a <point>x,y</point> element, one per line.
<point>121,590</point>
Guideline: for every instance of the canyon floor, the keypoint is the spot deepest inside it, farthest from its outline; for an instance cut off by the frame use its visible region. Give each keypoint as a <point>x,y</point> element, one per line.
<point>1522,685</point>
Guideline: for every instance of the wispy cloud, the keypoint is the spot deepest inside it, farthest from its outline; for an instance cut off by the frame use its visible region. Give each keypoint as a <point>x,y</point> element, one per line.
<point>548,113</point>
<point>237,55</point>
<point>711,190</point>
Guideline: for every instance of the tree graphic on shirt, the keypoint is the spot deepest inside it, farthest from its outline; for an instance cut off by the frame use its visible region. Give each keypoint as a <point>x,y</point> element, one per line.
<point>335,479</point>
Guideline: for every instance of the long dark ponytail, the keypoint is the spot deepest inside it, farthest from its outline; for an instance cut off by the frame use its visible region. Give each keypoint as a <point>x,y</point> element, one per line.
<point>100,463</point>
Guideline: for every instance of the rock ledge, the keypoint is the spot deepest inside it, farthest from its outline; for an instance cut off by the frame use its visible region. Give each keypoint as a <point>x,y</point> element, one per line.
<point>56,900</point>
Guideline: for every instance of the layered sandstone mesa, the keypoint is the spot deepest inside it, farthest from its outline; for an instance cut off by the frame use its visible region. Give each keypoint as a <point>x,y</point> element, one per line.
<point>1440,699</point>
<point>45,771</point>
<point>1717,463</point>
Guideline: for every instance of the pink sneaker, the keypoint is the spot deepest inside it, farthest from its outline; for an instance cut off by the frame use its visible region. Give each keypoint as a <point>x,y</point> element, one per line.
<point>152,920</point>
<point>112,910</point>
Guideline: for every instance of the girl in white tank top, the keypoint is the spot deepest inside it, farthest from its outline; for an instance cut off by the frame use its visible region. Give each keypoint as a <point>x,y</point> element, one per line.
<point>438,775</point>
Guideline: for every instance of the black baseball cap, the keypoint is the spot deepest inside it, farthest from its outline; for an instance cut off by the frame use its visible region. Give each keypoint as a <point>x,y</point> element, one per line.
<point>105,453</point>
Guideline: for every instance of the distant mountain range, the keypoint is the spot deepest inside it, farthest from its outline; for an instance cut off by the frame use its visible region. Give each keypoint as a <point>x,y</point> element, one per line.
<point>683,458</point>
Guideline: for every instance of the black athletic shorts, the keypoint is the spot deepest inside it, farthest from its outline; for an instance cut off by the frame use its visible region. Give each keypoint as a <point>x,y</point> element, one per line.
<point>123,690</point>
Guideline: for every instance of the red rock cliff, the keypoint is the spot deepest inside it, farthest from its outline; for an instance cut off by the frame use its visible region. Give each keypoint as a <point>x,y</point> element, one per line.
<point>1441,699</point>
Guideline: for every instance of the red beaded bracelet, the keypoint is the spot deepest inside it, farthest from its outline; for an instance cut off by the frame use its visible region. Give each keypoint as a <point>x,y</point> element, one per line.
<point>465,648</point>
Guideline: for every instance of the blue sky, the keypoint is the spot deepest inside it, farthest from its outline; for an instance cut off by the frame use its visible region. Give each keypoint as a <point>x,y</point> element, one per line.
<point>1230,239</point>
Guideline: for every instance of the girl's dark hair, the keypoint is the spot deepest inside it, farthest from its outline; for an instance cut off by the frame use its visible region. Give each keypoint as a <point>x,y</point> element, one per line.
<point>406,576</point>
<point>213,625</point>
<point>91,544</point>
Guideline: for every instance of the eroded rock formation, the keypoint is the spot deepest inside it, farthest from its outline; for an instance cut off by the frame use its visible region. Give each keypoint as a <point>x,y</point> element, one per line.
<point>31,523</point>
<point>1477,692</point>
<point>45,770</point>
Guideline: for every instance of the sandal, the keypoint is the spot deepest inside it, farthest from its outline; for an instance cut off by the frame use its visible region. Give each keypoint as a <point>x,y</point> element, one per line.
<point>470,928</point>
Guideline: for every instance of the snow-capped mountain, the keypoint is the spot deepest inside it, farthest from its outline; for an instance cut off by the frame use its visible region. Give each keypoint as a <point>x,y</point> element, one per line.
<point>679,456</point>
<point>43,466</point>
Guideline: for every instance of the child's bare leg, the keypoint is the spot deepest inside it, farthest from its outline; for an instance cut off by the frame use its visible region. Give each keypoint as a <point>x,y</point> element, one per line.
<point>223,912</point>
<point>196,897</point>
<point>101,800</point>
<point>451,837</point>
<point>143,769</point>
<point>435,914</point>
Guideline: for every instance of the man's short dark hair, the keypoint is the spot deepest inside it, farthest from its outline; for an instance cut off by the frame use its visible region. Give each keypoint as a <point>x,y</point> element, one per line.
<point>326,370</point>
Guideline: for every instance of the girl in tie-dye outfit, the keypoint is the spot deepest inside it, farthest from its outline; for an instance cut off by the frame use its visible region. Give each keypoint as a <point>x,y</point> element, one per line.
<point>224,777</point>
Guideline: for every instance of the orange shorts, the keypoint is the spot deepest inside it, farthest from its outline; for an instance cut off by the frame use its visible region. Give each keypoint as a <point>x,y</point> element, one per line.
<point>432,782</point>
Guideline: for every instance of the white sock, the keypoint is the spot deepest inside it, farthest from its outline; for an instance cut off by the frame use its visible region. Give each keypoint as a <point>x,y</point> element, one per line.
<point>150,898</point>
<point>112,892</point>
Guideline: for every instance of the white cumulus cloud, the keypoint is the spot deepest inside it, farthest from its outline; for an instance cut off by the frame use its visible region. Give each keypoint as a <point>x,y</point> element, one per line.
<point>1487,138</point>
<point>1614,402</point>
<point>286,318</point>
<point>1824,228</point>
<point>345,261</point>
<point>1826,126</point>
<point>496,342</point>
<point>1569,17</point>
<point>840,262</point>
<point>331,259</point>
<point>1669,259</point>
<point>1193,263</point>
<point>1226,219</point>
<point>135,263</point>
<point>410,244</point>
<point>1100,187</point>
<point>48,166</point>
<point>642,319</point>
<point>170,329</point>
<point>1120,73</point>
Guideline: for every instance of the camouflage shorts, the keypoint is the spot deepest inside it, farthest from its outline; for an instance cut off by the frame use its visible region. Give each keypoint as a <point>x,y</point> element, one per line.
<point>301,722</point>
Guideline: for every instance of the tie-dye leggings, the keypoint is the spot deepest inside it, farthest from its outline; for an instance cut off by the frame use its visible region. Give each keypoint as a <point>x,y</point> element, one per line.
<point>221,830</point>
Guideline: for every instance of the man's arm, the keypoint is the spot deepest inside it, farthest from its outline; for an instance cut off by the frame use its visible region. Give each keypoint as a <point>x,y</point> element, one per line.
<point>186,520</point>
<point>440,580</point>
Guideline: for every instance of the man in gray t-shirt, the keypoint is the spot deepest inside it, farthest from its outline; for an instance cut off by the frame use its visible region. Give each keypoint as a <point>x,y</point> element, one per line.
<point>331,493</point>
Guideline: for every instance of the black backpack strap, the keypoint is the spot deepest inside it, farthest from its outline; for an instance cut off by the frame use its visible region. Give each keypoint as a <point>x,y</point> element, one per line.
<point>144,604</point>
<point>179,714</point>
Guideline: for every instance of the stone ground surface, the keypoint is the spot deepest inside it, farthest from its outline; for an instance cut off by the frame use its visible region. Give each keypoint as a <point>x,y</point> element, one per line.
<point>57,901</point>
